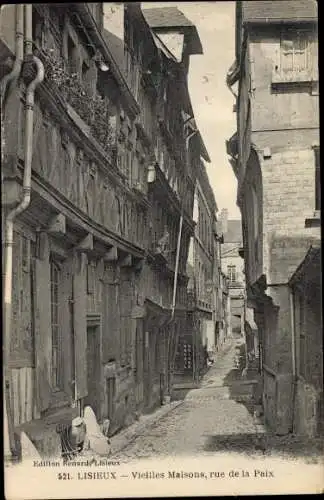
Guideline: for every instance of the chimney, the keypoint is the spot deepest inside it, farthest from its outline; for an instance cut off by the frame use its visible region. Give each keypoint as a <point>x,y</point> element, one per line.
<point>114,18</point>
<point>223,219</point>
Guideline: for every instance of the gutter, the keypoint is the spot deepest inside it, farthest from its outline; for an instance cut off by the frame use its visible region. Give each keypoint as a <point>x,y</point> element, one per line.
<point>22,205</point>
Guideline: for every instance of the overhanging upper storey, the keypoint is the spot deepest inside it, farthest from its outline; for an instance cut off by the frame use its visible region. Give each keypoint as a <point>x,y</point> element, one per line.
<point>176,32</point>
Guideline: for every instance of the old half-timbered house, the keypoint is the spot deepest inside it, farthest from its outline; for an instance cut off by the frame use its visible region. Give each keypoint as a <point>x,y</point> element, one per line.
<point>178,148</point>
<point>110,150</point>
<point>79,243</point>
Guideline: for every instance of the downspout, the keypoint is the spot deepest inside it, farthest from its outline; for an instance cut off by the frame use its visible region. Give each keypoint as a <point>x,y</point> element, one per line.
<point>10,451</point>
<point>293,353</point>
<point>24,203</point>
<point>19,49</point>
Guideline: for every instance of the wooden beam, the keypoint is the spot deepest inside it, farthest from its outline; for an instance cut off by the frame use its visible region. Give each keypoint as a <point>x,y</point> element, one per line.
<point>43,248</point>
<point>111,255</point>
<point>138,312</point>
<point>86,244</point>
<point>79,263</point>
<point>138,264</point>
<point>57,225</point>
<point>126,261</point>
<point>101,269</point>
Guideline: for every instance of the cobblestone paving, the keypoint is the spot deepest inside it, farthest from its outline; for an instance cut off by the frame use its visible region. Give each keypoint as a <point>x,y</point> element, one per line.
<point>210,421</point>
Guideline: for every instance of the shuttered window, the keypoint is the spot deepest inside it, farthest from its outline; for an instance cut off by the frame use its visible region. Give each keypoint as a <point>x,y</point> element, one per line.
<point>294,52</point>
<point>55,328</point>
<point>231,273</point>
<point>296,56</point>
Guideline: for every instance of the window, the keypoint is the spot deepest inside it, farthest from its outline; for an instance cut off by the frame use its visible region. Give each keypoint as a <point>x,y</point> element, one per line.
<point>72,56</point>
<point>231,273</point>
<point>317,179</point>
<point>86,76</point>
<point>38,30</point>
<point>55,327</point>
<point>295,59</point>
<point>293,52</point>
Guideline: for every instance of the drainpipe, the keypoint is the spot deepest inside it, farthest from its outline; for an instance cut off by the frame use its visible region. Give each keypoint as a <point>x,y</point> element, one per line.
<point>293,353</point>
<point>15,72</point>
<point>9,224</point>
<point>9,440</point>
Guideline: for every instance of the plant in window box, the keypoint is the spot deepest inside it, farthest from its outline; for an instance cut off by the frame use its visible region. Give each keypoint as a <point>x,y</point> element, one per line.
<point>54,68</point>
<point>100,126</point>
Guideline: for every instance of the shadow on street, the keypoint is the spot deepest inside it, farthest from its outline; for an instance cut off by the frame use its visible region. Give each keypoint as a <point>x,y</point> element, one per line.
<point>266,444</point>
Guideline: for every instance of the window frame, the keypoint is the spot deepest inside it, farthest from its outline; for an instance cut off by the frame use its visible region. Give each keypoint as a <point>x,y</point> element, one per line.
<point>231,272</point>
<point>304,74</point>
<point>57,377</point>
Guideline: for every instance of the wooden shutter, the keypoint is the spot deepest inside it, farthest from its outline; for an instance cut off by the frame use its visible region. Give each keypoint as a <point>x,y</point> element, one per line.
<point>80,328</point>
<point>125,316</point>
<point>110,344</point>
<point>42,321</point>
<point>66,325</point>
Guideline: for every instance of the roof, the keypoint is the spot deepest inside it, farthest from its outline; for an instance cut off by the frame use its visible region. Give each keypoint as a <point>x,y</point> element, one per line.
<point>286,250</point>
<point>309,268</point>
<point>283,10</point>
<point>116,46</point>
<point>166,17</point>
<point>234,231</point>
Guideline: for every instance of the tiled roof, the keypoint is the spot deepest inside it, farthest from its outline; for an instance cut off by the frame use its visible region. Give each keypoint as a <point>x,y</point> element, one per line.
<point>234,231</point>
<point>116,46</point>
<point>311,262</point>
<point>269,10</point>
<point>165,17</point>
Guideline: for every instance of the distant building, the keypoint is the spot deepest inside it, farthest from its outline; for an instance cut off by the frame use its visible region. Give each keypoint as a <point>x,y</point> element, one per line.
<point>233,268</point>
<point>275,157</point>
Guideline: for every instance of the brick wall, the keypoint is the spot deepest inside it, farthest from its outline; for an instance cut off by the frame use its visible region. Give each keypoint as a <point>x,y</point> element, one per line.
<point>288,189</point>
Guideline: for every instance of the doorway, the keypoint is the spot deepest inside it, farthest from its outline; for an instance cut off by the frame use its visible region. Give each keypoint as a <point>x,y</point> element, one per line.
<point>93,398</point>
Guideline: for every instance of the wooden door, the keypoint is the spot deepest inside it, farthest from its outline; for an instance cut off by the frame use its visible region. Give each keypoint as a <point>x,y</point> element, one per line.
<point>147,378</point>
<point>93,363</point>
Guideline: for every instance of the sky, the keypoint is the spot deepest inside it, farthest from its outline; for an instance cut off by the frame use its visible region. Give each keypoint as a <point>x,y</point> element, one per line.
<point>211,99</point>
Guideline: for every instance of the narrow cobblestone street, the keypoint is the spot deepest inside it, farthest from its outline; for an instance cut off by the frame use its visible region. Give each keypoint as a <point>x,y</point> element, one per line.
<point>215,419</point>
